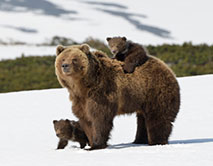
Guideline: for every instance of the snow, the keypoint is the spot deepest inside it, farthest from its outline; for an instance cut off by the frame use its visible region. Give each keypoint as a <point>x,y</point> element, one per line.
<point>144,21</point>
<point>28,138</point>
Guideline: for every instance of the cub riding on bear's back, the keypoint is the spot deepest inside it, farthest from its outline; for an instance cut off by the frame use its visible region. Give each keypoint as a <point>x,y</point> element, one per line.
<point>132,54</point>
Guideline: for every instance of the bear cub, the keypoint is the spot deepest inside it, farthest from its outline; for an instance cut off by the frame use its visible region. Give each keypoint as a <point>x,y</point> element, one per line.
<point>132,54</point>
<point>69,130</point>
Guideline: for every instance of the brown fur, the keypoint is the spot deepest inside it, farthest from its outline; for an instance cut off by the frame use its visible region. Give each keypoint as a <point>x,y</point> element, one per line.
<point>100,90</point>
<point>69,130</point>
<point>132,54</point>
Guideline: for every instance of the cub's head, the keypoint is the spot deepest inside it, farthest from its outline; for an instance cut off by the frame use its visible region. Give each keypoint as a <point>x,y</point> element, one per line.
<point>117,44</point>
<point>63,128</point>
<point>72,61</point>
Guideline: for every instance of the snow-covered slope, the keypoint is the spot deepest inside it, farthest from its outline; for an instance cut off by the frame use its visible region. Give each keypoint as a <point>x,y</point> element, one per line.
<point>27,135</point>
<point>144,21</point>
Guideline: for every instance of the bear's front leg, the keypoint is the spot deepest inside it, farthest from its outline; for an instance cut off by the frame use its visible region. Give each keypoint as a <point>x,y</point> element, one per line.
<point>128,68</point>
<point>62,144</point>
<point>82,145</point>
<point>101,131</point>
<point>87,127</point>
<point>100,112</point>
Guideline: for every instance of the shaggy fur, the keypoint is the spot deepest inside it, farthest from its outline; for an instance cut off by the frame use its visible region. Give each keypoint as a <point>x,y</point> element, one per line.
<point>132,54</point>
<point>100,90</point>
<point>69,130</point>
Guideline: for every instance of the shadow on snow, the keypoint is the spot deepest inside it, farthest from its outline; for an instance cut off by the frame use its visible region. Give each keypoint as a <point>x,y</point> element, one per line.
<point>130,17</point>
<point>40,6</point>
<point>21,29</point>
<point>190,141</point>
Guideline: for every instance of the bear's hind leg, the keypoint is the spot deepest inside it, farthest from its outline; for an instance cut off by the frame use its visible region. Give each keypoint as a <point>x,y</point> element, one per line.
<point>141,135</point>
<point>158,131</point>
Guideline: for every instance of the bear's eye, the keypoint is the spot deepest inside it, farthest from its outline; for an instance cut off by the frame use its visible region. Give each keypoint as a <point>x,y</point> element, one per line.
<point>63,60</point>
<point>74,61</point>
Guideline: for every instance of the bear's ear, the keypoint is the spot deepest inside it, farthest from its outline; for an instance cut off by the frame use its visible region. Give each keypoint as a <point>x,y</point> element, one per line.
<point>85,48</point>
<point>67,120</point>
<point>108,38</point>
<point>55,121</point>
<point>124,38</point>
<point>59,49</point>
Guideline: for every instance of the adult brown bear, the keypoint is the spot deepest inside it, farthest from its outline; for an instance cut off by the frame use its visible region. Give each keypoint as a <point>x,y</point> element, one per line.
<point>99,90</point>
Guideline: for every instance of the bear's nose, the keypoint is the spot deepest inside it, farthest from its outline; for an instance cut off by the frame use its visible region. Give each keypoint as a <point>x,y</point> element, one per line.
<point>114,51</point>
<point>65,67</point>
<point>58,132</point>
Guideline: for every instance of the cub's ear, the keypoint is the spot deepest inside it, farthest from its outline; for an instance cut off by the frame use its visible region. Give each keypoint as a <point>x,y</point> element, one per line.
<point>55,121</point>
<point>108,38</point>
<point>124,38</point>
<point>85,48</point>
<point>67,120</point>
<point>59,49</point>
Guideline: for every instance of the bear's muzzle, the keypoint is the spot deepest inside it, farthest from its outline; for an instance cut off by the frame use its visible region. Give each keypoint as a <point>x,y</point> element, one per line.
<point>65,67</point>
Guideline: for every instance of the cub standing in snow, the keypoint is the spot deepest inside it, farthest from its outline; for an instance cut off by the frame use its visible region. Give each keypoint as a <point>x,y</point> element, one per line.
<point>69,130</point>
<point>132,54</point>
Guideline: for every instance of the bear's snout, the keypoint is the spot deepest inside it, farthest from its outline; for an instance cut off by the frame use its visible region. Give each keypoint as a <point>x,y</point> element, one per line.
<point>114,51</point>
<point>58,133</point>
<point>65,67</point>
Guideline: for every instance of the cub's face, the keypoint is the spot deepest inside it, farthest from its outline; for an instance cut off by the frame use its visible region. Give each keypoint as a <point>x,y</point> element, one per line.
<point>71,61</point>
<point>116,44</point>
<point>63,129</point>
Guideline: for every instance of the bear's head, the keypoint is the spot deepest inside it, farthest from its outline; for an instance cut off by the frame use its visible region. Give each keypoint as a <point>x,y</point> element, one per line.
<point>72,61</point>
<point>63,129</point>
<point>117,44</point>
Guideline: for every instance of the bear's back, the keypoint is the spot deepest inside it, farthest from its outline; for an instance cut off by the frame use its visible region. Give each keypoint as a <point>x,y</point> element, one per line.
<point>155,73</point>
<point>153,82</point>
